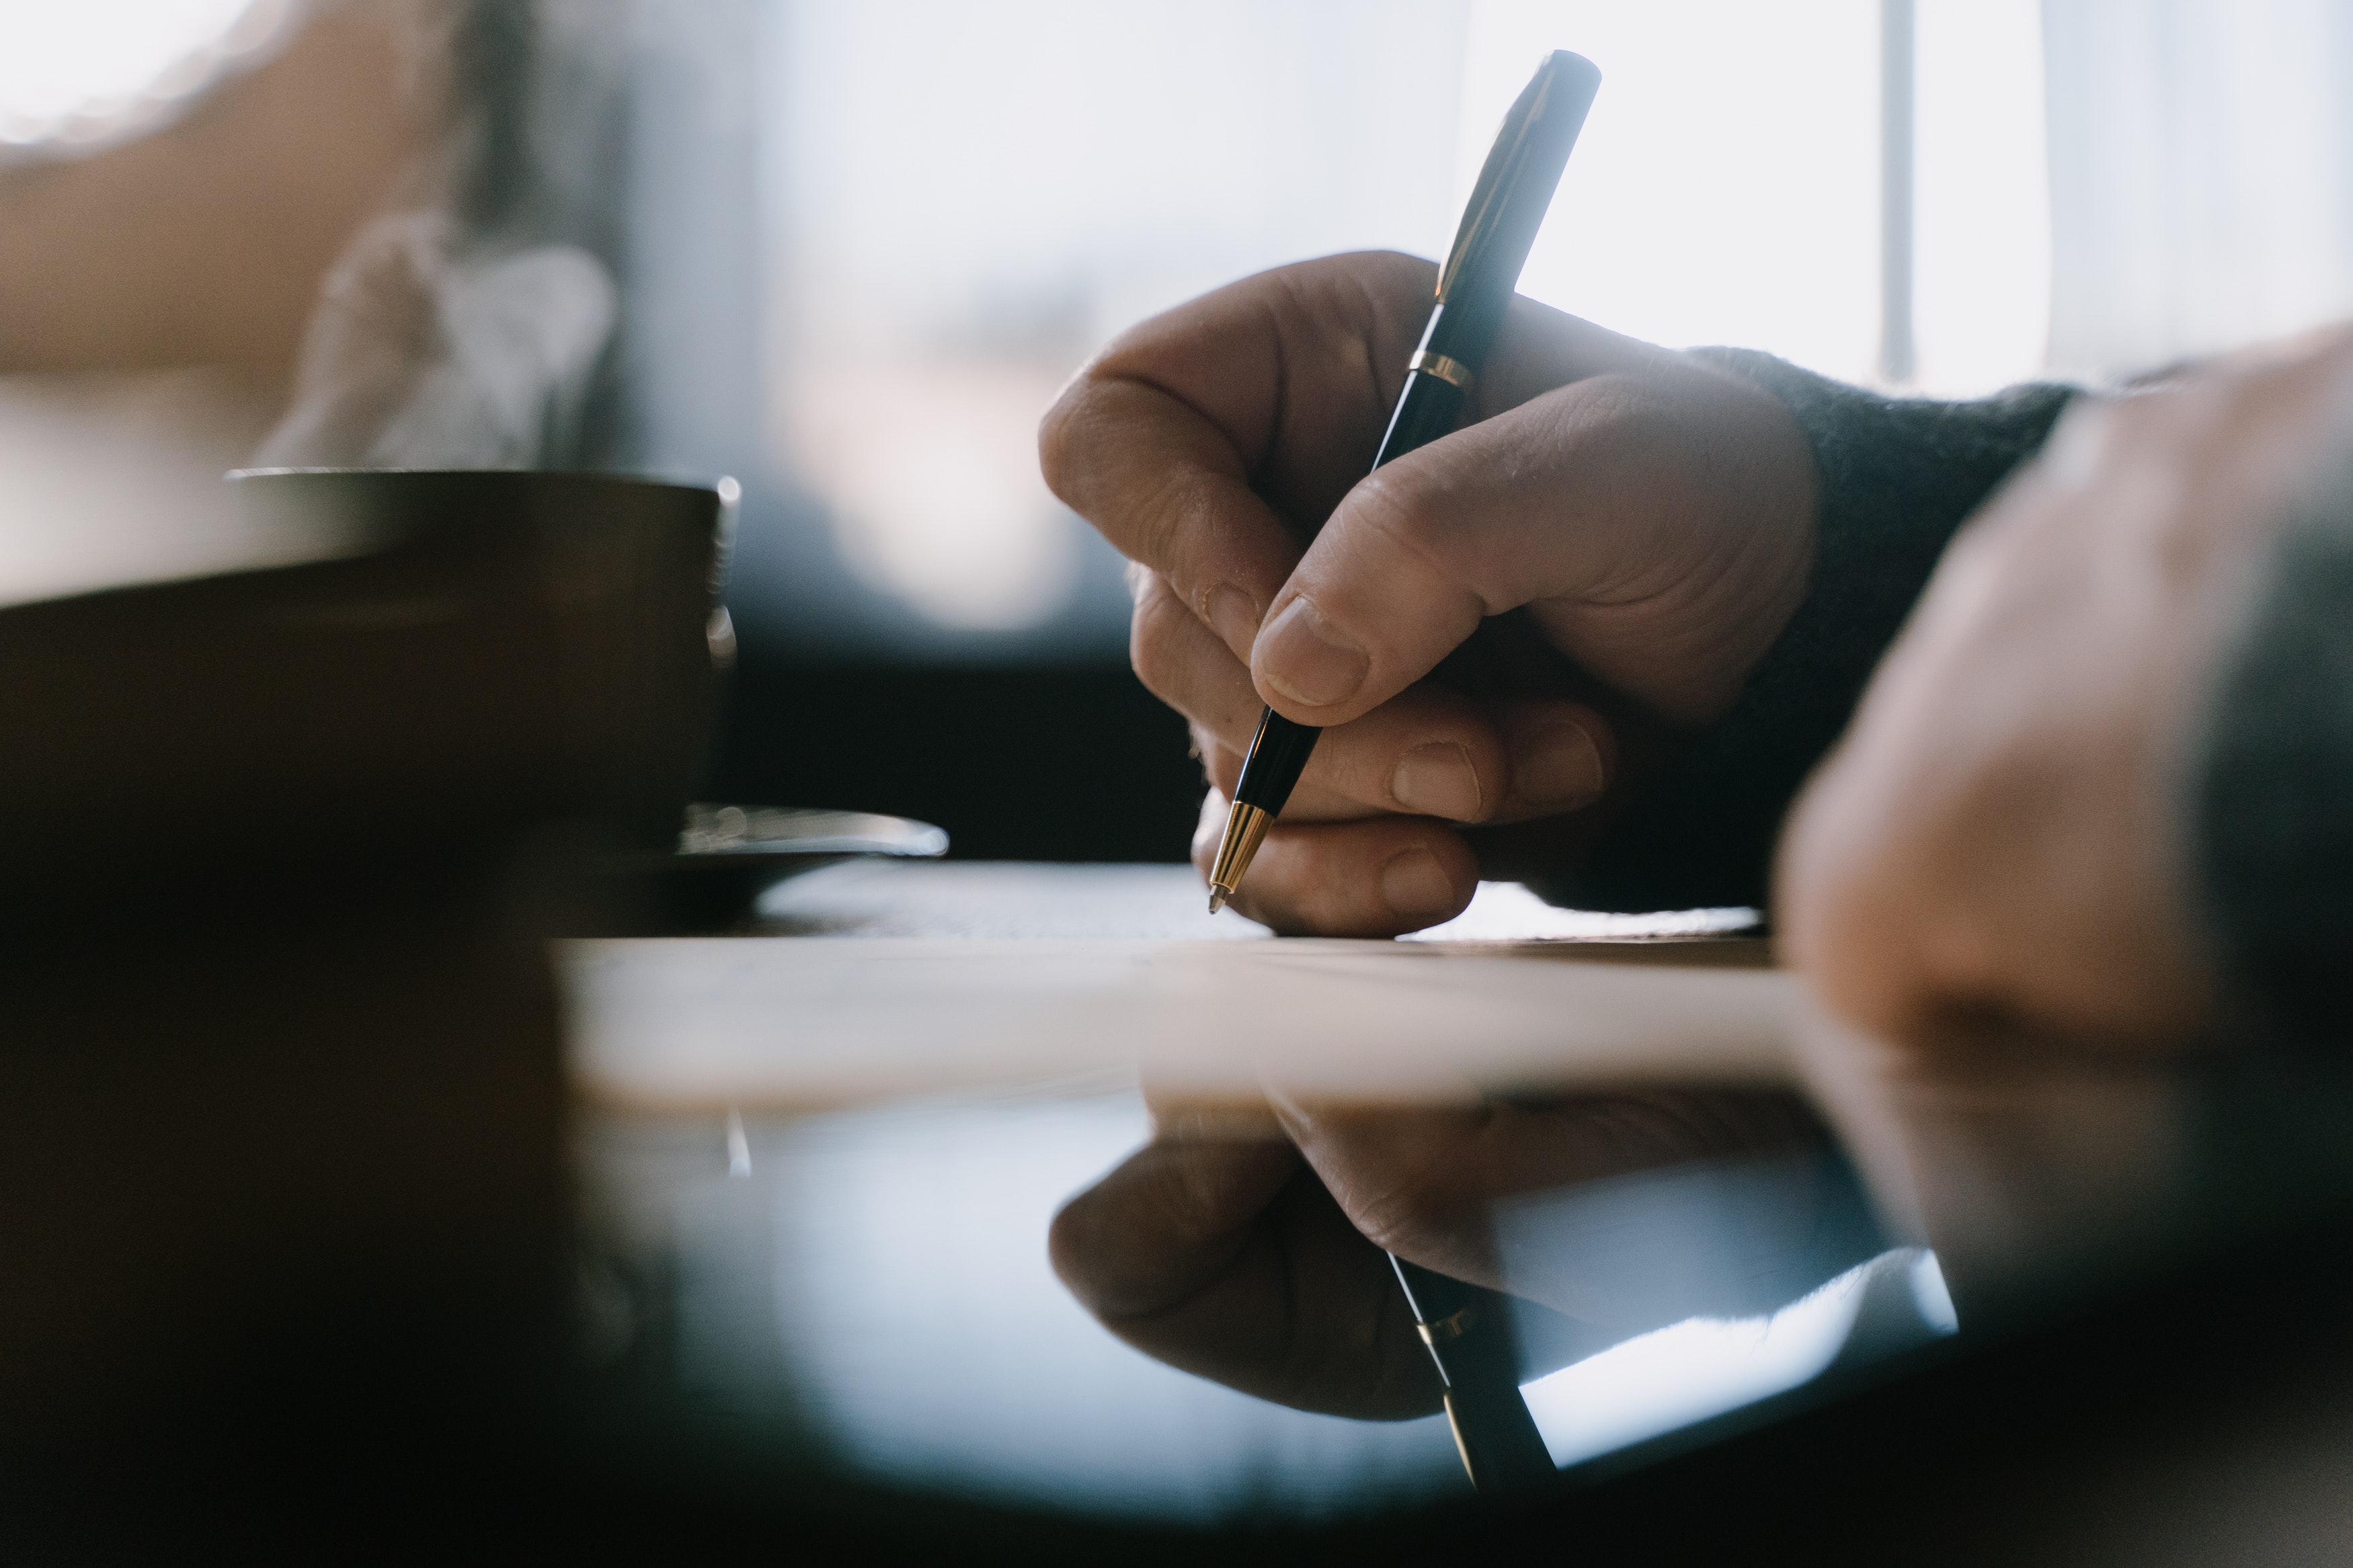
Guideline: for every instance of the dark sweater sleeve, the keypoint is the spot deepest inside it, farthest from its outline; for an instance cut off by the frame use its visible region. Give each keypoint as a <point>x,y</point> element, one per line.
<point>1898,476</point>
<point>2272,787</point>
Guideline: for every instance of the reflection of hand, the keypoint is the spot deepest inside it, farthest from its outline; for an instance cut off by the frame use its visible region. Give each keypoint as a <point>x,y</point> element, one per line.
<point>1257,1262</point>
<point>1990,878</point>
<point>1652,515</point>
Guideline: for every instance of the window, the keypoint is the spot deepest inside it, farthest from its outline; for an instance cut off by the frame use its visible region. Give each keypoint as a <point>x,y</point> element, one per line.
<point>861,242</point>
<point>960,201</point>
<point>73,74</point>
<point>963,201</point>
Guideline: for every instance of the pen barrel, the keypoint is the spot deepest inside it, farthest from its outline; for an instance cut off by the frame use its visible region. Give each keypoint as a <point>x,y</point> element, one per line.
<point>1426,409</point>
<point>1431,403</point>
<point>1502,1452</point>
<point>1278,754</point>
<point>1469,1333</point>
<point>1474,290</point>
<point>1464,328</point>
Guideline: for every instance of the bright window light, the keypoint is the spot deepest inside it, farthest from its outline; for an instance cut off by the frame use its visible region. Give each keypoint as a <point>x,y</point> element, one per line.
<point>961,200</point>
<point>1981,201</point>
<point>79,70</point>
<point>1725,189</point>
<point>965,199</point>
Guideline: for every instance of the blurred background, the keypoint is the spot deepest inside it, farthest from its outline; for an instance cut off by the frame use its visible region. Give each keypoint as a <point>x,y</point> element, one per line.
<point>846,250</point>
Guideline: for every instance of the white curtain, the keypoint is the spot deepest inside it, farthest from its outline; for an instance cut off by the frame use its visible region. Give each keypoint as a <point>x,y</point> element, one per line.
<point>2201,175</point>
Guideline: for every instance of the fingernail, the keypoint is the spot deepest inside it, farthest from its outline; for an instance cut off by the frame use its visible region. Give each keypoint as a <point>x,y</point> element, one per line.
<point>1438,780</point>
<point>1559,767</point>
<point>1415,884</point>
<point>1306,660</point>
<point>1233,616</point>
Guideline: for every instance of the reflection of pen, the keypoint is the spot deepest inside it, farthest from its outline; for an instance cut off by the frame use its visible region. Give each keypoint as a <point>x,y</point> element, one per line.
<point>1500,224</point>
<point>1464,1327</point>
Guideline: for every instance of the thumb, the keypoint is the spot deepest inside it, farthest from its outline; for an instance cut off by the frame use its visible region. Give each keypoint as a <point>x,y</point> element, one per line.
<point>1658,524</point>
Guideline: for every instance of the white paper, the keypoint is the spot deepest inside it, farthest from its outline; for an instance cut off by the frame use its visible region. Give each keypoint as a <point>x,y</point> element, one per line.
<point>703,1022</point>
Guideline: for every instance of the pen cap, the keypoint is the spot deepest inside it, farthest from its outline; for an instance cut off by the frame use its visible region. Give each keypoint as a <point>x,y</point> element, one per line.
<point>1507,204</point>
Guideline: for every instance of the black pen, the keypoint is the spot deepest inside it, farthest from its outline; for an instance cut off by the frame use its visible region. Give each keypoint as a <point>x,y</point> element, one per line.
<point>1464,1325</point>
<point>1506,208</point>
<point>1470,1338</point>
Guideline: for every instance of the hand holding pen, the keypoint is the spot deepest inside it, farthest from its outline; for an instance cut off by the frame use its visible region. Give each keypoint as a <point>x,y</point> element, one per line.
<point>1245,1260</point>
<point>1474,284</point>
<point>1161,445</point>
<point>1652,515</point>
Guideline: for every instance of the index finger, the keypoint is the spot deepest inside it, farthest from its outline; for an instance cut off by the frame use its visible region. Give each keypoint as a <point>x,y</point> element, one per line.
<point>1231,1261</point>
<point>1209,441</point>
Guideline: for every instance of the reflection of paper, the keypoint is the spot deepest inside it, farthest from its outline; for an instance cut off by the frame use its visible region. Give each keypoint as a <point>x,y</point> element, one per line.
<point>1507,911</point>
<point>703,1022</point>
<point>1704,1366</point>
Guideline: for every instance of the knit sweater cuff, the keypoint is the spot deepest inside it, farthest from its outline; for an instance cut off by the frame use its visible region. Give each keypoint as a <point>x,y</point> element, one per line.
<point>1898,477</point>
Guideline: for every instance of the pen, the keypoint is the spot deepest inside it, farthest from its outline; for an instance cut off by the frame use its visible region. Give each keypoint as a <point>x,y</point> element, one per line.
<point>1507,206</point>
<point>1462,1324</point>
<point>1478,1362</point>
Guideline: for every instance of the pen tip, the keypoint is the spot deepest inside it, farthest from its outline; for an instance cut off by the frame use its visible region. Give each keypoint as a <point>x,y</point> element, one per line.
<point>1217,897</point>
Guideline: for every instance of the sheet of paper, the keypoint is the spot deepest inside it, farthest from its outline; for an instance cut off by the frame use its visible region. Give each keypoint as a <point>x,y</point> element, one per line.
<point>691,1023</point>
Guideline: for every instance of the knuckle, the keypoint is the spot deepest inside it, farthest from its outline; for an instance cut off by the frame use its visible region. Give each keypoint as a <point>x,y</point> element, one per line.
<point>1399,502</point>
<point>1859,949</point>
<point>1158,529</point>
<point>1222,769</point>
<point>1267,895</point>
<point>1404,522</point>
<point>1407,1216</point>
<point>1069,1253</point>
<point>1390,272</point>
<point>1069,436</point>
<point>1154,650</point>
<point>1818,902</point>
<point>1057,432</point>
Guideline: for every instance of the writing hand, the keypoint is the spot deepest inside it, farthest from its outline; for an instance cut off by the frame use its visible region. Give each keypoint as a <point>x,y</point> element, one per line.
<point>1990,885</point>
<point>1257,1261</point>
<point>1652,516</point>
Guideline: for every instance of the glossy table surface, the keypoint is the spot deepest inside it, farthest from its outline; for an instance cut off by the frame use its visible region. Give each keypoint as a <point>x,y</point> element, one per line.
<point>849,1268</point>
<point>279,1206</point>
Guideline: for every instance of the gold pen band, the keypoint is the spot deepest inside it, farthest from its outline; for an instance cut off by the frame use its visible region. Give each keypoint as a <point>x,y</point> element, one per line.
<point>1451,1326</point>
<point>1246,828</point>
<point>1454,372</point>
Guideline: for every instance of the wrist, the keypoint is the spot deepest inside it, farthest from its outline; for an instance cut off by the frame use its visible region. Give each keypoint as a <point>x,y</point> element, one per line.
<point>1894,479</point>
